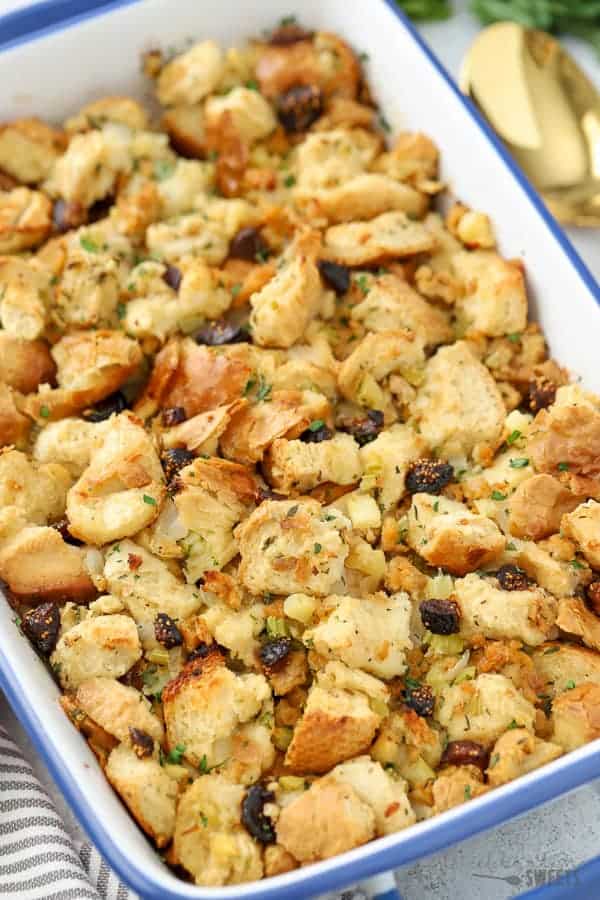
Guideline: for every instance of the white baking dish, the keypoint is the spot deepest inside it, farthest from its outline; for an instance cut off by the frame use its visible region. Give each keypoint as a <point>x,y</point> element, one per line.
<point>97,52</point>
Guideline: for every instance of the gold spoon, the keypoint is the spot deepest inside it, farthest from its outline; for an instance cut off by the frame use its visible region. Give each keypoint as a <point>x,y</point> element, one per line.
<point>545,109</point>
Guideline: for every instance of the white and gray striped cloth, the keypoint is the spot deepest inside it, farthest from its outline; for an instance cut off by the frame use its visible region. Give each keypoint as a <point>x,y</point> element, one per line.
<point>38,858</point>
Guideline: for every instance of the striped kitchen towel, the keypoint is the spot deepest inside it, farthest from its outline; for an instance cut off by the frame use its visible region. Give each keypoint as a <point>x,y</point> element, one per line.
<point>38,858</point>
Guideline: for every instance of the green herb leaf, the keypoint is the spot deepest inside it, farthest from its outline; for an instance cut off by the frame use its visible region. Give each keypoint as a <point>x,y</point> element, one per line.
<point>569,685</point>
<point>44,412</point>
<point>513,437</point>
<point>204,820</point>
<point>426,10</point>
<point>291,511</point>
<point>149,500</point>
<point>576,564</point>
<point>235,290</point>
<point>467,791</point>
<point>363,283</point>
<point>317,548</point>
<point>163,169</point>
<point>88,244</point>
<point>513,724</point>
<point>264,390</point>
<point>252,85</point>
<point>563,467</point>
<point>519,463</point>
<point>289,181</point>
<point>514,338</point>
<point>498,495</point>
<point>175,755</point>
<point>121,310</point>
<point>314,426</point>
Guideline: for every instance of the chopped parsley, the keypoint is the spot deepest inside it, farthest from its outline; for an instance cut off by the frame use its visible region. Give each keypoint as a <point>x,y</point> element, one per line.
<point>235,290</point>
<point>317,548</point>
<point>44,412</point>
<point>569,685</point>
<point>88,244</point>
<point>289,181</point>
<point>467,791</point>
<point>513,724</point>
<point>436,506</point>
<point>121,310</point>
<point>252,84</point>
<point>363,57</point>
<point>264,389</point>
<point>576,564</point>
<point>563,467</point>
<point>291,511</point>
<point>261,256</point>
<point>288,20</point>
<point>515,337</point>
<point>498,495</point>
<point>176,754</point>
<point>149,500</point>
<point>204,820</point>
<point>163,169</point>
<point>383,123</point>
<point>513,437</point>
<point>494,760</point>
<point>363,283</point>
<point>314,426</point>
<point>519,463</point>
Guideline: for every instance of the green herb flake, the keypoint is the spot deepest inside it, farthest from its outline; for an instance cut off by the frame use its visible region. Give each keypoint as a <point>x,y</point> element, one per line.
<point>261,256</point>
<point>317,548</point>
<point>427,10</point>
<point>292,511</point>
<point>204,820</point>
<point>289,181</point>
<point>363,283</point>
<point>411,683</point>
<point>513,724</point>
<point>149,500</point>
<point>563,467</point>
<point>252,84</point>
<point>513,437</point>
<point>383,123</point>
<point>576,564</point>
<point>288,20</point>
<point>511,546</point>
<point>494,760</point>
<point>250,385</point>
<point>314,426</point>
<point>551,650</point>
<point>363,57</point>
<point>467,791</point>
<point>176,754</point>
<point>264,390</point>
<point>519,463</point>
<point>514,338</point>
<point>163,169</point>
<point>436,506</point>
<point>498,495</point>
<point>235,290</point>
<point>44,412</point>
<point>121,310</point>
<point>88,244</point>
<point>569,685</point>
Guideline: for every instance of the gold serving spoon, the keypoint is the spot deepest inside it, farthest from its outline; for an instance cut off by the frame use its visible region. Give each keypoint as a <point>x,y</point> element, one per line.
<point>545,109</point>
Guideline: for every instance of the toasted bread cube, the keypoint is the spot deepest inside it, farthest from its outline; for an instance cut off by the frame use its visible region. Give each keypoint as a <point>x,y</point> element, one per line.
<point>517,752</point>
<point>326,159</point>
<point>278,548</point>
<point>186,128</point>
<point>557,576</point>
<point>24,364</point>
<point>99,647</point>
<point>389,235</point>
<point>209,840</point>
<point>251,115</point>
<point>576,716</point>
<point>25,220</point>
<point>561,665</point>
<point>448,534</point>
<point>29,149</point>
<point>123,110</point>
<point>205,705</point>
<point>70,443</point>
<point>25,298</point>
<point>583,525</point>
<point>371,633</point>
<point>150,794</point>
<point>337,724</point>
<point>495,299</point>
<point>482,709</point>
<point>297,467</point>
<point>14,426</point>
<point>37,490</point>
<point>375,358</point>
<point>117,707</point>
<point>459,406</point>
<point>456,785</point>
<point>386,460</point>
<point>537,507</point>
<point>528,616</point>
<point>565,442</point>
<point>385,795</point>
<point>36,563</point>
<point>575,618</point>
<point>192,75</point>
<point>329,818</point>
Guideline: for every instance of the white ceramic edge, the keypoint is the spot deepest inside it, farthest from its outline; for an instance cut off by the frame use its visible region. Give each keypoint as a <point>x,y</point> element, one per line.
<point>102,55</point>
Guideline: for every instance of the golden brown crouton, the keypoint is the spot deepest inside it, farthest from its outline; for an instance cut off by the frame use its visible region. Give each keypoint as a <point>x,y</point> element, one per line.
<point>576,716</point>
<point>325,61</point>
<point>25,219</point>
<point>25,297</point>
<point>458,406</point>
<point>560,665</point>
<point>517,752</point>
<point>448,534</point>
<point>117,708</point>
<point>28,149</point>
<point>391,234</point>
<point>24,364</point>
<point>148,791</point>
<point>337,724</point>
<point>537,506</point>
<point>190,76</point>
<point>295,467</point>
<point>482,709</point>
<point>202,432</point>
<point>558,576</point>
<point>278,548</point>
<point>205,706</point>
<point>14,426</point>
<point>565,442</point>
<point>187,130</point>
<point>386,460</point>
<point>583,525</point>
<point>37,490</point>
<point>575,618</point>
<point>108,109</point>
<point>494,300</point>
<point>209,840</point>
<point>456,785</point>
<point>99,647</point>
<point>329,818</point>
<point>385,794</point>
<point>38,564</point>
<point>377,356</point>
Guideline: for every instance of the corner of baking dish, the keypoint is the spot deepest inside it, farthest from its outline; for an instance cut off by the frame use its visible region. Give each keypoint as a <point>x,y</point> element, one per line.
<point>562,775</point>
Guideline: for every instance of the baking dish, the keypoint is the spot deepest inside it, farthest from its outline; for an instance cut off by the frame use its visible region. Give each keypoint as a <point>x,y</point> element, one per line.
<point>70,64</point>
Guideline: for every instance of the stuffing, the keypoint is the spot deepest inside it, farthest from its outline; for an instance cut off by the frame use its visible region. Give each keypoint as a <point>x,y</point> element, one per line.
<point>575,618</point>
<point>473,229</point>
<point>583,526</point>
<point>392,305</point>
<point>25,219</point>
<point>24,364</point>
<point>206,704</point>
<point>190,76</point>
<point>371,633</point>
<point>295,467</point>
<point>209,840</point>
<point>147,790</point>
<point>361,197</point>
<point>278,542</point>
<point>448,534</point>
<point>575,716</point>
<point>283,308</point>
<point>494,302</point>
<point>213,497</point>
<point>528,615</point>
<point>410,744</point>
<point>37,564</point>
<point>237,629</point>
<point>251,115</point>
<point>517,752</point>
<point>88,170</point>
<point>99,647</point>
<point>537,507</point>
<point>187,130</point>
<point>338,721</point>
<point>323,60</point>
<point>38,491</point>
<point>413,158</point>
<point>459,406</point>
<point>205,235</point>
<point>565,442</point>
<point>559,577</point>
<point>123,110</point>
<point>181,184</point>
<point>121,490</point>
<point>386,459</point>
<point>376,787</point>
<point>201,433</point>
<point>148,588</point>
<point>29,149</point>
<point>87,294</point>
<point>117,708</point>
<point>561,665</point>
<point>24,298</point>
<point>390,235</point>
<point>275,414</point>
<point>14,426</point>
<point>90,366</point>
<point>456,785</point>
<point>327,819</point>
<point>482,709</point>
<point>375,358</point>
<point>327,159</point>
<point>69,442</point>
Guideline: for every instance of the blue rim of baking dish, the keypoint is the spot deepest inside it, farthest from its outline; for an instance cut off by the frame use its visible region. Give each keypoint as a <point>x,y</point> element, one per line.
<point>35,22</point>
